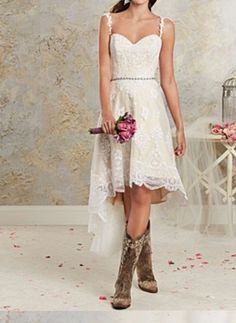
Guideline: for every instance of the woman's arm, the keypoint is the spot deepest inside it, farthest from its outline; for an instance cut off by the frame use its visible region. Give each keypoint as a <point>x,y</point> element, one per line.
<point>168,83</point>
<point>105,76</point>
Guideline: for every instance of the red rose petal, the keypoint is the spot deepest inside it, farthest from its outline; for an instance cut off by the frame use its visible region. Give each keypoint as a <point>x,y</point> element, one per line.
<point>198,254</point>
<point>103,298</point>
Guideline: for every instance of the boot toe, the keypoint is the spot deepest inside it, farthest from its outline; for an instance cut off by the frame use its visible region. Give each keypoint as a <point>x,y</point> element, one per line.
<point>148,286</point>
<point>120,303</point>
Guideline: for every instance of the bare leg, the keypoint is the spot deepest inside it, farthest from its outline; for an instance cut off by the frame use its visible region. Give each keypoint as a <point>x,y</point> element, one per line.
<point>137,200</point>
<point>139,211</point>
<point>127,201</point>
<point>137,225</point>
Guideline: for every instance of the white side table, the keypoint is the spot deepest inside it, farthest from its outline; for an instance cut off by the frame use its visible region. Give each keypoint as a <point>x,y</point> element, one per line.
<point>202,177</point>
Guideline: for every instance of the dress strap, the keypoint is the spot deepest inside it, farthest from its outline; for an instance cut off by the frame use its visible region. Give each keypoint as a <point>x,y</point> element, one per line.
<point>109,21</point>
<point>161,26</point>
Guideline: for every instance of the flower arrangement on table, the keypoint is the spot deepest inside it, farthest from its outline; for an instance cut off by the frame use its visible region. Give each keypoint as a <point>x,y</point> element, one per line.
<point>227,131</point>
<point>125,127</point>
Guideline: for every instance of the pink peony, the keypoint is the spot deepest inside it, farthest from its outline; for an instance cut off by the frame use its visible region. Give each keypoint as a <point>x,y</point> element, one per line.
<point>217,125</point>
<point>216,130</point>
<point>123,136</point>
<point>233,137</point>
<point>125,128</point>
<point>227,131</point>
<point>123,125</point>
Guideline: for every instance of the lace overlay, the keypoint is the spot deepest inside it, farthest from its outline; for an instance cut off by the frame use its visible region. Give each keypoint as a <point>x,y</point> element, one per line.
<point>148,158</point>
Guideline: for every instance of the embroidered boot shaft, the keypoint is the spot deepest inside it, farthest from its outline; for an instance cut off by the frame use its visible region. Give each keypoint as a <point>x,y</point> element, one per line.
<point>131,249</point>
<point>146,279</point>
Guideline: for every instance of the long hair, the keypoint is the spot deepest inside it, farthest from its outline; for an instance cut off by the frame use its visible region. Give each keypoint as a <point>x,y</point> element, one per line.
<point>120,6</point>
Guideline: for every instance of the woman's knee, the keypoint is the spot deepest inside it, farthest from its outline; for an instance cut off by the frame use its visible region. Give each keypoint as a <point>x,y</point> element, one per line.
<point>140,195</point>
<point>136,229</point>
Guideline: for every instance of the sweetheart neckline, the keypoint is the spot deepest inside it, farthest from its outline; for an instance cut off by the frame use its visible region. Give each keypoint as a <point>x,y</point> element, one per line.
<point>150,35</point>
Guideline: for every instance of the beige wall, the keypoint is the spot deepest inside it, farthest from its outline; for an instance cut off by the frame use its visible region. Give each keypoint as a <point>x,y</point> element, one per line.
<point>49,89</point>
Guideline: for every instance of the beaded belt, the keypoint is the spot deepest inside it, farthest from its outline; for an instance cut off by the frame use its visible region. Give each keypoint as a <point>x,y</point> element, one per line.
<point>133,78</point>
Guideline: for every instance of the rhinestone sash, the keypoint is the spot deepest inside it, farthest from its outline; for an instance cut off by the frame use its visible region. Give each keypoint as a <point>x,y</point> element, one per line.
<point>132,78</point>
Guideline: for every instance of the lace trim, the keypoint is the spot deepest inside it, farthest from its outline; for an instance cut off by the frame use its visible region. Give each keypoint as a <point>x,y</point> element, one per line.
<point>109,21</point>
<point>161,26</point>
<point>109,189</point>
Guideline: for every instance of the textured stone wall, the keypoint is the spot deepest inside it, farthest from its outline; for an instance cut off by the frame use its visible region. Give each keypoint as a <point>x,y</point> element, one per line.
<point>49,87</point>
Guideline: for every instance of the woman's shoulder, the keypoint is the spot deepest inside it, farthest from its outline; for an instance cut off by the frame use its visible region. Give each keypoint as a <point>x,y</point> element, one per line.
<point>168,25</point>
<point>166,19</point>
<point>111,14</point>
<point>169,22</point>
<point>106,16</point>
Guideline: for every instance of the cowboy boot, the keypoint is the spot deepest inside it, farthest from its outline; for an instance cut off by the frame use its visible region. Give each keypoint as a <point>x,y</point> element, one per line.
<point>146,279</point>
<point>131,249</point>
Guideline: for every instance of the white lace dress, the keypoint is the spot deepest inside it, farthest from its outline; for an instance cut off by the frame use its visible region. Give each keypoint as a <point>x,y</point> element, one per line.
<point>148,158</point>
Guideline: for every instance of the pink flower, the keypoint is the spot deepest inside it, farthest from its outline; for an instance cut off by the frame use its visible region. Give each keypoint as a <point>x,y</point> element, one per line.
<point>217,125</point>
<point>122,125</point>
<point>233,137</point>
<point>216,130</point>
<point>228,131</point>
<point>125,135</point>
<point>125,128</point>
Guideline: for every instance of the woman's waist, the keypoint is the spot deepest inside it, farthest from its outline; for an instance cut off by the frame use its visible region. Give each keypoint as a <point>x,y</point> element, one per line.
<point>133,78</point>
<point>135,81</point>
<point>133,72</point>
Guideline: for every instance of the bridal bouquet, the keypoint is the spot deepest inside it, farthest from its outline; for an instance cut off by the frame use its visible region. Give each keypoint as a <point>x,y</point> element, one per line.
<point>125,127</point>
<point>226,130</point>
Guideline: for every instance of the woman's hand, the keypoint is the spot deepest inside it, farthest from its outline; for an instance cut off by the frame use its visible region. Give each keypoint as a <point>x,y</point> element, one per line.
<point>108,123</point>
<point>181,143</point>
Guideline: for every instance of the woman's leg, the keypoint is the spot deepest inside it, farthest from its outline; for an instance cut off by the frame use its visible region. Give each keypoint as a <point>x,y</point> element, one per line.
<point>139,210</point>
<point>138,201</point>
<point>127,201</point>
<point>139,216</point>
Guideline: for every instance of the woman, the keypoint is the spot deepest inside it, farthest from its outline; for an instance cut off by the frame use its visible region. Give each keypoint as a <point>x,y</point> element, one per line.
<point>133,44</point>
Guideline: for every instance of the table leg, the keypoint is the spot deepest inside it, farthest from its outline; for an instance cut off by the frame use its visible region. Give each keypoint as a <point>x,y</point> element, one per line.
<point>230,192</point>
